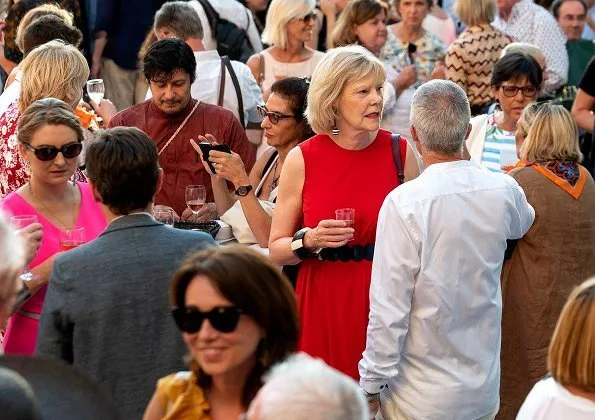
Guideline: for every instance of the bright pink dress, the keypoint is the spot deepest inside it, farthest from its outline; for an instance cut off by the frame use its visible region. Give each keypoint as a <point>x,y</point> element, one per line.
<point>333,297</point>
<point>21,332</point>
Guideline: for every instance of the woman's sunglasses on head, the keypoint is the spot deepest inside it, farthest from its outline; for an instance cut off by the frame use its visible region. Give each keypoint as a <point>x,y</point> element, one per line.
<point>47,153</point>
<point>224,319</point>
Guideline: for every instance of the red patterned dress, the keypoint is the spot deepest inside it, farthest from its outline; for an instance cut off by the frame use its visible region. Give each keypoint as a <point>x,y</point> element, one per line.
<point>333,297</point>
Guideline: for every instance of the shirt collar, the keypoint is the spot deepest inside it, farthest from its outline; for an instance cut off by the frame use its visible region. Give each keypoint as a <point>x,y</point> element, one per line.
<point>206,55</point>
<point>131,214</point>
<point>455,164</point>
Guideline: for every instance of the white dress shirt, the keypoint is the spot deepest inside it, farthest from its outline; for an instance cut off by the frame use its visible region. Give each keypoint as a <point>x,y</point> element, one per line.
<point>206,85</point>
<point>233,11</point>
<point>435,301</point>
<point>531,23</point>
<point>550,400</point>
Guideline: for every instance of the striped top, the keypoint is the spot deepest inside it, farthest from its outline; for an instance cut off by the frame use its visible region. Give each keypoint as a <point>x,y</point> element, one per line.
<point>497,140</point>
<point>471,58</point>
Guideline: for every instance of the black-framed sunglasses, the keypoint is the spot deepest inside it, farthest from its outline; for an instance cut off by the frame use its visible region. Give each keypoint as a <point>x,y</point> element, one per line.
<point>224,318</point>
<point>274,117</point>
<point>47,153</point>
<point>511,91</point>
<point>309,17</point>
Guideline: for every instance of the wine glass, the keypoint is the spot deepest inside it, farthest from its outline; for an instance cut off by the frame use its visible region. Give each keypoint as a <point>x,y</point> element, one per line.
<point>96,89</point>
<point>71,238</point>
<point>195,197</point>
<point>165,216</point>
<point>347,215</point>
<point>21,222</point>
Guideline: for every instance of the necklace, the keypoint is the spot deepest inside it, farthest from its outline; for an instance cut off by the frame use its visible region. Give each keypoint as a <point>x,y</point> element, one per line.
<point>275,182</point>
<point>51,212</point>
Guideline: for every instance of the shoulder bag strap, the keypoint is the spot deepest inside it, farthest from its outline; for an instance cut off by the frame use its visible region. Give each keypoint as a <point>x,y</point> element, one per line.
<point>234,78</point>
<point>179,128</point>
<point>222,83</point>
<point>396,147</point>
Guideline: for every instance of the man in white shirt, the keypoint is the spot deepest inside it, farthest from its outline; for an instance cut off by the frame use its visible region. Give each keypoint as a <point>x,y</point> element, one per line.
<point>528,22</point>
<point>179,20</point>
<point>433,341</point>
<point>233,11</point>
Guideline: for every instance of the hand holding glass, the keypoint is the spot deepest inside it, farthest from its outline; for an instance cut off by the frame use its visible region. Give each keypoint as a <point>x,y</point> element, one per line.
<point>71,238</point>
<point>347,215</point>
<point>196,196</point>
<point>21,222</point>
<point>96,90</point>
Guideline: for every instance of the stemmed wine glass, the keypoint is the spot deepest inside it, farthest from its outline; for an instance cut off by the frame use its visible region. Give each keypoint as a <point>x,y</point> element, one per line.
<point>21,222</point>
<point>196,196</point>
<point>96,90</point>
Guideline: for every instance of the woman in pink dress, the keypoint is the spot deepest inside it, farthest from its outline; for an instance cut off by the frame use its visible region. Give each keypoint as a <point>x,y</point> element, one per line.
<point>50,140</point>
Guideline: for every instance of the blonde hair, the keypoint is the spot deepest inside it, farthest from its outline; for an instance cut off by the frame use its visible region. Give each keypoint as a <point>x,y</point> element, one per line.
<point>571,357</point>
<point>527,117</point>
<point>12,260</point>
<point>47,111</point>
<point>553,135</point>
<point>357,12</point>
<point>476,12</point>
<point>280,13</point>
<point>53,70</point>
<point>338,67</point>
<point>39,11</point>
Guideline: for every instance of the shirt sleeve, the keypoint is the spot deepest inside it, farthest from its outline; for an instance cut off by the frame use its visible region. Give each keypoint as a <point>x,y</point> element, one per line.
<point>54,338</point>
<point>552,43</point>
<point>588,80</point>
<point>106,11</point>
<point>251,93</point>
<point>525,214</point>
<point>394,271</point>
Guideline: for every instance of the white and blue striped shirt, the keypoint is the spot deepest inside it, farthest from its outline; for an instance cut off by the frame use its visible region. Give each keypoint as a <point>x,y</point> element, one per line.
<point>496,140</point>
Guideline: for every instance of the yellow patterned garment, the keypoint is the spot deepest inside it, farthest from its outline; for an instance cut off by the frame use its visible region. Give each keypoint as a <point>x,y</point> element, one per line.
<point>181,398</point>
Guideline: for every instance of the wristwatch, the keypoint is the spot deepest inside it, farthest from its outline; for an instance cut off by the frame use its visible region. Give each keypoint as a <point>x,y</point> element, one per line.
<point>243,190</point>
<point>297,244</point>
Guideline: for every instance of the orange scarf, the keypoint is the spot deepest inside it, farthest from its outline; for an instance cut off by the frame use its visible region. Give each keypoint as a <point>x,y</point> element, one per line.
<point>87,119</point>
<point>568,175</point>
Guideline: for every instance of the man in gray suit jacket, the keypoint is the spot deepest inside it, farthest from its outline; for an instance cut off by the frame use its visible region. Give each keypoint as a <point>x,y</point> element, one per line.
<point>106,310</point>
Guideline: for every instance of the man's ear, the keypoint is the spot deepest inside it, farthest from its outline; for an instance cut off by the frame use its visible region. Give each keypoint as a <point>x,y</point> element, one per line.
<point>94,192</point>
<point>415,138</point>
<point>159,181</point>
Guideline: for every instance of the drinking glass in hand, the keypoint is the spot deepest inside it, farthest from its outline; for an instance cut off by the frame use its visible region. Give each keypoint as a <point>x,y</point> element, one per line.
<point>347,215</point>
<point>21,222</point>
<point>71,238</point>
<point>165,216</point>
<point>195,197</point>
<point>96,89</point>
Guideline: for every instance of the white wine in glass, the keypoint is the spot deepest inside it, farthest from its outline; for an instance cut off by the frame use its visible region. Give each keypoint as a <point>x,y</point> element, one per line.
<point>196,196</point>
<point>96,90</point>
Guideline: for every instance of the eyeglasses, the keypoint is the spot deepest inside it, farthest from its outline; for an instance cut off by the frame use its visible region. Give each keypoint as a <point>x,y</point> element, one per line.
<point>511,91</point>
<point>224,319</point>
<point>274,117</point>
<point>47,153</point>
<point>309,17</point>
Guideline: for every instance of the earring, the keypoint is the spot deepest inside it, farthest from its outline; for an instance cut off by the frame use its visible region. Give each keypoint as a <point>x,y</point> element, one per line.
<point>335,129</point>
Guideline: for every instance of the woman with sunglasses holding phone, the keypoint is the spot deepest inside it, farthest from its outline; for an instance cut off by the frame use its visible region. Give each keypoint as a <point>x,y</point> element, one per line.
<point>284,127</point>
<point>289,26</point>
<point>49,136</point>
<point>516,81</point>
<point>238,317</point>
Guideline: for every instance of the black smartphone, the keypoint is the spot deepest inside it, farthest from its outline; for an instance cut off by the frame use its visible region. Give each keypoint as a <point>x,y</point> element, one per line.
<point>206,148</point>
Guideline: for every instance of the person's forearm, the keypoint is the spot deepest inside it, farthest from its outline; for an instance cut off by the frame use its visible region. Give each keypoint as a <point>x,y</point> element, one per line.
<point>258,219</point>
<point>223,198</point>
<point>585,119</point>
<point>330,25</point>
<point>280,252</point>
<point>98,47</point>
<point>42,275</point>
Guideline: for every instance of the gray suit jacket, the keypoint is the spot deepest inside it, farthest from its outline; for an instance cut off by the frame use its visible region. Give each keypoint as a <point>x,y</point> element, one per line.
<point>107,309</point>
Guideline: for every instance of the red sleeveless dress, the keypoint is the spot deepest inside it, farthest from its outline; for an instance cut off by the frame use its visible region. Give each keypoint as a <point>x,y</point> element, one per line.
<point>333,297</point>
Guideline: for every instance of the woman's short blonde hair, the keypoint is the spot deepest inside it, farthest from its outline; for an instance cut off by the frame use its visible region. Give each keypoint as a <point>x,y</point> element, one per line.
<point>53,70</point>
<point>338,67</point>
<point>553,135</point>
<point>527,117</point>
<point>571,358</point>
<point>280,13</point>
<point>12,261</point>
<point>356,13</point>
<point>39,11</point>
<point>476,12</point>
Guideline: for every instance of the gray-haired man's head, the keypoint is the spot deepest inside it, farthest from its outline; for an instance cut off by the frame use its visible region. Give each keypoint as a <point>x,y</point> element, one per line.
<point>440,115</point>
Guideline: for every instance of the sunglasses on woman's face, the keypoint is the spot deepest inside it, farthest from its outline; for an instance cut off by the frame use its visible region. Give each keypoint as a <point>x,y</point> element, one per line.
<point>47,153</point>
<point>224,318</point>
<point>274,117</point>
<point>310,17</point>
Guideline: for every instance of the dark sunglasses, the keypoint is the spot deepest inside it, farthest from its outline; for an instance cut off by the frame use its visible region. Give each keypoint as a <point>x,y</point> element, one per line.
<point>224,319</point>
<point>274,117</point>
<point>47,153</point>
<point>511,91</point>
<point>309,17</point>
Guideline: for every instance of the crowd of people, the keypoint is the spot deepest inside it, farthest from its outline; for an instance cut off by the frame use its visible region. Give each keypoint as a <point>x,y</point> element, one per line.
<point>406,186</point>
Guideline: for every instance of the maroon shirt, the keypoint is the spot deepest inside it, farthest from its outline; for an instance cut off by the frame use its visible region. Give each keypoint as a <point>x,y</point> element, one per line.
<point>180,162</point>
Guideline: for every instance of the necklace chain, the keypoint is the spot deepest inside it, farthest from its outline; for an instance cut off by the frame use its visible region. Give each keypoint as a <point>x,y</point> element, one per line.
<point>51,212</point>
<point>275,181</point>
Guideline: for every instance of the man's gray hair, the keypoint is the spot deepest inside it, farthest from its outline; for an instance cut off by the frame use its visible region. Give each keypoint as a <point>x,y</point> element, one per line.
<point>440,114</point>
<point>303,388</point>
<point>181,18</point>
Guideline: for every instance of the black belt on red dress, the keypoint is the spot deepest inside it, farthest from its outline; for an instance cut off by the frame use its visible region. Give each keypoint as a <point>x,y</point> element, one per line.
<point>348,253</point>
